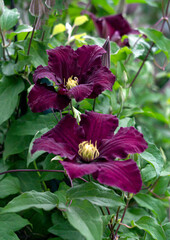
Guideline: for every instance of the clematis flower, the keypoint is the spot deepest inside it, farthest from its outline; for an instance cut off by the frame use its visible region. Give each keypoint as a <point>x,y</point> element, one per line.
<point>114,26</point>
<point>93,148</point>
<point>70,74</point>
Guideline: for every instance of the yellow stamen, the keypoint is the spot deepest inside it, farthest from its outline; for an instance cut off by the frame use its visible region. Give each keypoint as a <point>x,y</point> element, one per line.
<point>88,151</point>
<point>71,82</point>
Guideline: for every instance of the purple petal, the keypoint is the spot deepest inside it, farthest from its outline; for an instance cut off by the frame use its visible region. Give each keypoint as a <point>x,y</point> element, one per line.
<point>103,80</point>
<point>43,72</point>
<point>81,91</point>
<point>98,126</point>
<point>118,23</point>
<point>42,98</point>
<point>122,174</point>
<point>126,141</point>
<point>63,62</point>
<point>76,170</point>
<point>89,56</point>
<point>62,140</point>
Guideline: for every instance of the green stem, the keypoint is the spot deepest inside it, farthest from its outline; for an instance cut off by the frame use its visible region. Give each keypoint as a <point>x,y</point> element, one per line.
<point>3,43</point>
<point>71,106</point>
<point>39,174</point>
<point>94,103</point>
<point>35,22</point>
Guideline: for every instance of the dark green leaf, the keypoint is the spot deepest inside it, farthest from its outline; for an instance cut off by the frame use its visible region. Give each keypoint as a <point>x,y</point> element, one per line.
<point>149,202</point>
<point>159,39</point>
<point>9,223</point>
<point>41,200</point>
<point>86,219</point>
<point>64,229</point>
<point>150,225</point>
<point>10,87</point>
<point>96,194</point>
<point>9,185</point>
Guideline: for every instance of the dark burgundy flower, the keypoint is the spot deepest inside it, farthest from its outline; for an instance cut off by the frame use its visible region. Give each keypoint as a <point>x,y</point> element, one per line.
<point>114,26</point>
<point>70,74</point>
<point>92,147</point>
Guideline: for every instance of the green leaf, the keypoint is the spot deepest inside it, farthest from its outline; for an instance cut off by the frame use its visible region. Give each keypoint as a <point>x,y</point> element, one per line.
<point>33,157</point>
<point>41,200</point>
<point>63,228</point>
<point>159,39</point>
<point>153,155</point>
<point>166,228</point>
<point>155,205</point>
<point>21,32</point>
<point>85,217</point>
<point>58,29</point>
<point>150,225</point>
<point>148,173</point>
<point>9,18</point>
<point>121,54</point>
<point>10,223</point>
<point>80,20</point>
<point>96,194</point>
<point>38,53</point>
<point>9,185</point>
<point>10,87</point>
<point>31,123</point>
<point>15,144</point>
<point>107,5</point>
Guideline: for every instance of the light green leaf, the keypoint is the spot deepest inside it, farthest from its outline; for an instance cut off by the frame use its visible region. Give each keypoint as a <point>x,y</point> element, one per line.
<point>150,225</point>
<point>85,217</point>
<point>10,87</point>
<point>58,29</point>
<point>153,155</point>
<point>159,39</point>
<point>96,194</point>
<point>9,18</point>
<point>9,185</point>
<point>41,200</point>
<point>80,20</point>
<point>149,202</point>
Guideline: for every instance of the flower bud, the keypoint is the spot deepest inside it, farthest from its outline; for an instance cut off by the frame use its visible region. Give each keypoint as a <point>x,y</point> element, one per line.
<point>1,7</point>
<point>106,56</point>
<point>37,8</point>
<point>50,3</point>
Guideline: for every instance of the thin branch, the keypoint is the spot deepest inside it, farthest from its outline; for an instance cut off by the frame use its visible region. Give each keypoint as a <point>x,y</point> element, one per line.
<point>35,22</point>
<point>31,170</point>
<point>142,65</point>
<point>121,218</point>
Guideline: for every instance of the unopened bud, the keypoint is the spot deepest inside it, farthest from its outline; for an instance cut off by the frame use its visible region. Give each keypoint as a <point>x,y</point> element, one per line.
<point>1,7</point>
<point>106,56</point>
<point>50,3</point>
<point>37,8</point>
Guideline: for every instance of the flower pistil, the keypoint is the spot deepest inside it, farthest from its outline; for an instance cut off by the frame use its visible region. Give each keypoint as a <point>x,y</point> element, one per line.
<point>71,82</point>
<point>88,151</point>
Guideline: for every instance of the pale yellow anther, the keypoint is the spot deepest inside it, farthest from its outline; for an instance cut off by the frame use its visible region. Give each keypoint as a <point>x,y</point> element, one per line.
<point>88,151</point>
<point>71,82</point>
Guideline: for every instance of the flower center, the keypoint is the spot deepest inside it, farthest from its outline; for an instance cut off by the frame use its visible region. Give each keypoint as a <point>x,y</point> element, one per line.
<point>88,151</point>
<point>71,82</point>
